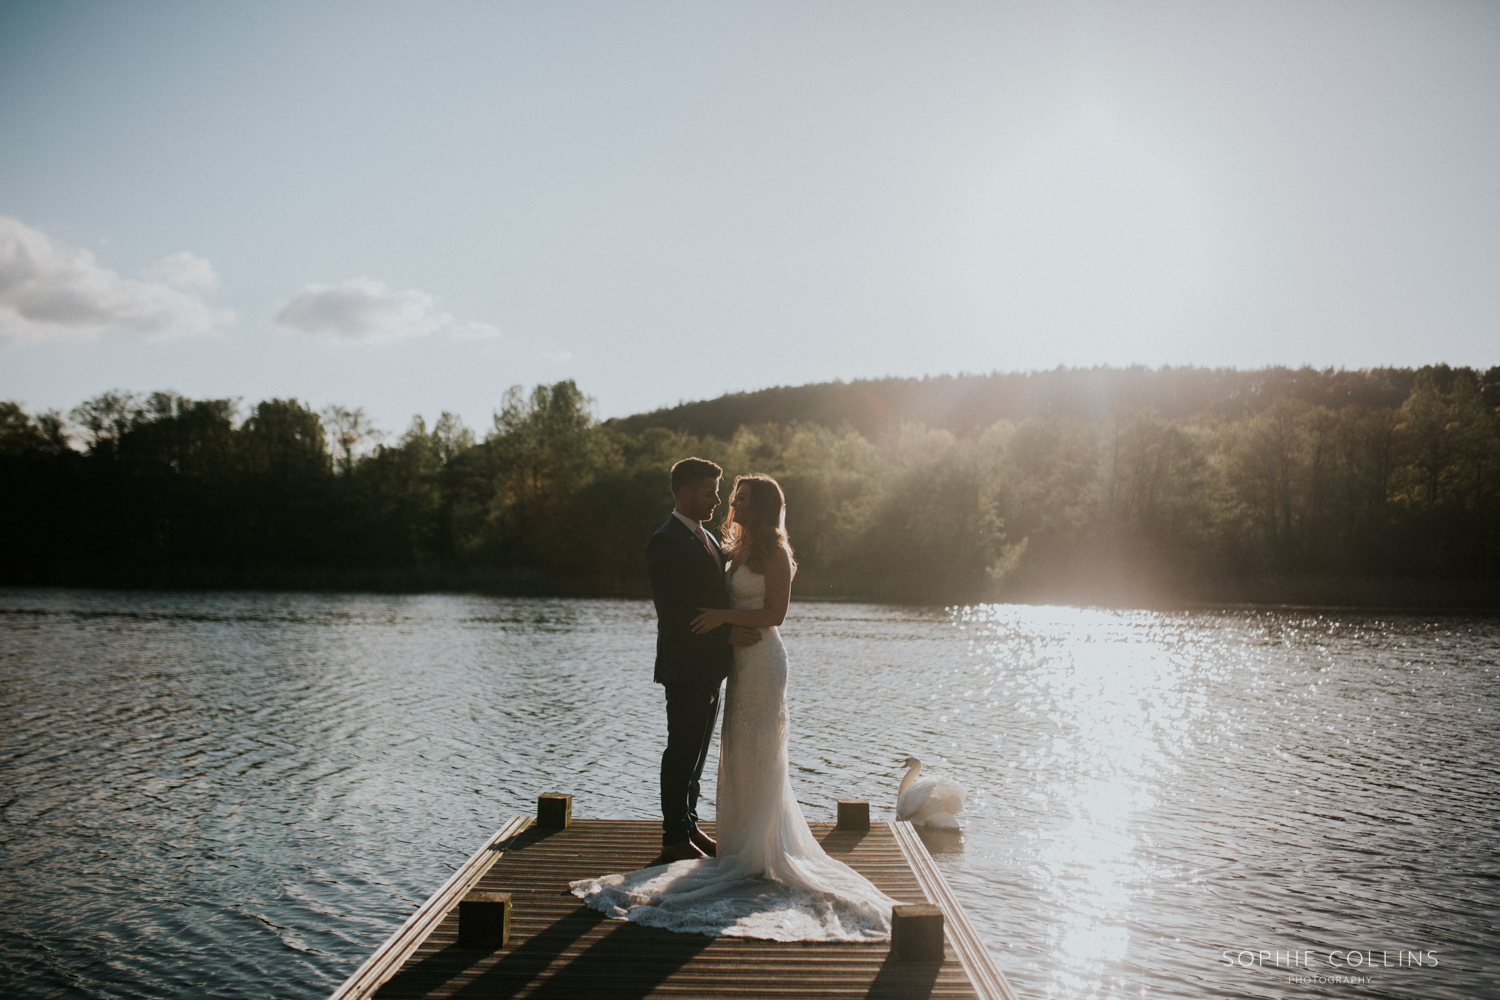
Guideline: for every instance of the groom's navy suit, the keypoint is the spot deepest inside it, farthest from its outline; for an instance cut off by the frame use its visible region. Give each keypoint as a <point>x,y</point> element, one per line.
<point>686,575</point>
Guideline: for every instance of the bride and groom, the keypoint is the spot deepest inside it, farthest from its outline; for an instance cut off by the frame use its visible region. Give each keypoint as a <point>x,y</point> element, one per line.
<point>718,607</point>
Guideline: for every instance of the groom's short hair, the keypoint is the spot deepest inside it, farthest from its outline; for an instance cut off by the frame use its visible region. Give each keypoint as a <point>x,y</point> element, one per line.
<point>690,470</point>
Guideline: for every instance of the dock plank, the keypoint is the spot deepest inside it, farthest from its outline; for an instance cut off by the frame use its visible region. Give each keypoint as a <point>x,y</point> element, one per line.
<point>560,949</point>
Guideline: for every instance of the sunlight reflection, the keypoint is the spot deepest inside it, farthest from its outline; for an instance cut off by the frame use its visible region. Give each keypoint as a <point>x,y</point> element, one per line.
<point>1108,688</point>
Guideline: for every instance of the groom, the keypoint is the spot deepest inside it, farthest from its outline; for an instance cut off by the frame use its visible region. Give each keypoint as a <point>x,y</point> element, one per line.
<point>687,574</point>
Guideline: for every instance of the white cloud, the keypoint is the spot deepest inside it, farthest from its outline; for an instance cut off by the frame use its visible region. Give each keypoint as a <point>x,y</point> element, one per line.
<point>184,270</point>
<point>364,310</point>
<point>469,330</point>
<point>50,293</point>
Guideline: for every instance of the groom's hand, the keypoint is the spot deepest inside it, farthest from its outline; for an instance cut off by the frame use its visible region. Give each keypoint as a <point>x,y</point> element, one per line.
<point>742,635</point>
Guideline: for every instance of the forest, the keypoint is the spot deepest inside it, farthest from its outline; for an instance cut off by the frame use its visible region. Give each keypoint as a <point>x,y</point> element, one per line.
<point>1134,487</point>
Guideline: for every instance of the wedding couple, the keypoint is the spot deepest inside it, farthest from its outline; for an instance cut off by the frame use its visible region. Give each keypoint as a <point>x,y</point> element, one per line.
<point>717,607</point>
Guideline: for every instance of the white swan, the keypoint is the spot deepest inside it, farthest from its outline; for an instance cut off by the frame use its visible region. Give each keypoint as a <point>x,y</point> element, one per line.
<point>929,802</point>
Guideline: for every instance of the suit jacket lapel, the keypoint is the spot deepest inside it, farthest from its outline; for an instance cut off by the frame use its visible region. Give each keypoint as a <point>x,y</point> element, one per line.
<point>717,552</point>
<point>710,551</point>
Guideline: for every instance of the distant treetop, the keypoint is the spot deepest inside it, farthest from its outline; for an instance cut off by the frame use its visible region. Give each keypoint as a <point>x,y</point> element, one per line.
<point>966,404</point>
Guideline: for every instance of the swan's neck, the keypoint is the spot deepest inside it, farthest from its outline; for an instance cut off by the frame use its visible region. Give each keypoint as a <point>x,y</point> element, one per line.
<point>911,775</point>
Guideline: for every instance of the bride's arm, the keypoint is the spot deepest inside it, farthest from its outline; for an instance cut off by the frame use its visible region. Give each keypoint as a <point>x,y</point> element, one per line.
<point>778,573</point>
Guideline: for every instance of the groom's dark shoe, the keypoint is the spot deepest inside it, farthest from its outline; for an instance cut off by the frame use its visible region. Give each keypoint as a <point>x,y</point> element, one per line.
<point>703,842</point>
<point>685,851</point>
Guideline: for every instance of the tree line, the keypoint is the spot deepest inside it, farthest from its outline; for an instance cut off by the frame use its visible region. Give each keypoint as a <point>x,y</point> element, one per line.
<point>966,404</point>
<point>1161,493</point>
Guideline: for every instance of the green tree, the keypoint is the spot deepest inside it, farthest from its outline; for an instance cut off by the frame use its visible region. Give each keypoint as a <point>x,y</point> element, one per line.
<point>285,437</point>
<point>107,417</point>
<point>348,431</point>
<point>1424,432</point>
<point>1162,487</point>
<point>23,435</point>
<point>548,450</point>
<point>932,531</point>
<point>1264,467</point>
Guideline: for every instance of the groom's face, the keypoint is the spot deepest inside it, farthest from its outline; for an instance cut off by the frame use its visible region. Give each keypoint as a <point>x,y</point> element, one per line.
<point>698,500</point>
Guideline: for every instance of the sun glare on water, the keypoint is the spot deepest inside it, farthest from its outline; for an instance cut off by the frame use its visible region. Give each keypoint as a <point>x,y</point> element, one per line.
<point>1110,702</point>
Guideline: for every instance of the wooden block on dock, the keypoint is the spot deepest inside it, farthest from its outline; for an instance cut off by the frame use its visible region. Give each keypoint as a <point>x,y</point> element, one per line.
<point>554,810</point>
<point>917,932</point>
<point>854,814</point>
<point>484,920</point>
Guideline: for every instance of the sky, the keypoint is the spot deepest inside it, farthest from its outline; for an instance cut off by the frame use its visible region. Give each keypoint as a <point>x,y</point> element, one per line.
<point>409,207</point>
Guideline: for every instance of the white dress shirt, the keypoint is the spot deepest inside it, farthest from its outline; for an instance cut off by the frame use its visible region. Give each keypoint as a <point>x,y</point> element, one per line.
<point>696,529</point>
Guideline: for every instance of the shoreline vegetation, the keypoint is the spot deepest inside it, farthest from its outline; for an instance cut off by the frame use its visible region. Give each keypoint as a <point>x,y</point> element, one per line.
<point>1172,487</point>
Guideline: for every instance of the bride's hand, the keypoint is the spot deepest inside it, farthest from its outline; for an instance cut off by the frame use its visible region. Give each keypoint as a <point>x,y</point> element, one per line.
<point>708,621</point>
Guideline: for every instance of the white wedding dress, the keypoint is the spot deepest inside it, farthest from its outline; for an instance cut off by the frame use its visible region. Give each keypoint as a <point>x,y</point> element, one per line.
<point>771,878</point>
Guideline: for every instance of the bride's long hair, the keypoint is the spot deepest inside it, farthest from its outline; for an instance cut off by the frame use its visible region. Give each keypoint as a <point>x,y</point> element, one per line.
<point>766,530</point>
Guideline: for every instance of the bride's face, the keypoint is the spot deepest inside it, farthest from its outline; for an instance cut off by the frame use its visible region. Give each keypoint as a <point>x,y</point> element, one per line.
<point>739,507</point>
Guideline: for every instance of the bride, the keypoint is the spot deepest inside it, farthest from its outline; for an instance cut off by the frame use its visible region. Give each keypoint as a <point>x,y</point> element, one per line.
<point>770,879</point>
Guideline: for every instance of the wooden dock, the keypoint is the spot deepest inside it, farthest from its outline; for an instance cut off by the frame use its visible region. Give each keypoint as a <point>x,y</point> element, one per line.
<point>559,949</point>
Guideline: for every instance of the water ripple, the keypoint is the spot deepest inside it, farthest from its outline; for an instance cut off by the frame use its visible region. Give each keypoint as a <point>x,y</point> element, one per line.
<point>230,795</point>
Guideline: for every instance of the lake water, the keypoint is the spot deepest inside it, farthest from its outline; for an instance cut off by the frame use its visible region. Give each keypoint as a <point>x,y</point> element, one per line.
<point>241,795</point>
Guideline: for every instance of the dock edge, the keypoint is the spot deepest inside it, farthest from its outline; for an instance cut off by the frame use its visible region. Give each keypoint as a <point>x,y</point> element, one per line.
<point>987,979</point>
<point>388,958</point>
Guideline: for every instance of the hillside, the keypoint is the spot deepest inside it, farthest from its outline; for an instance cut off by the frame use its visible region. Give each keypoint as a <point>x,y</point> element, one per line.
<point>1128,486</point>
<point>965,404</point>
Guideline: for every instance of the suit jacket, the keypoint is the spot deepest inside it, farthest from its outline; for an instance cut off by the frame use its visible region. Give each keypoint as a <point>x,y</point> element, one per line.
<point>684,578</point>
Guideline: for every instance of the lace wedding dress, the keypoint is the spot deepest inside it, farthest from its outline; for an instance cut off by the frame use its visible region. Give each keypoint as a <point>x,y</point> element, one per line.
<point>771,878</point>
